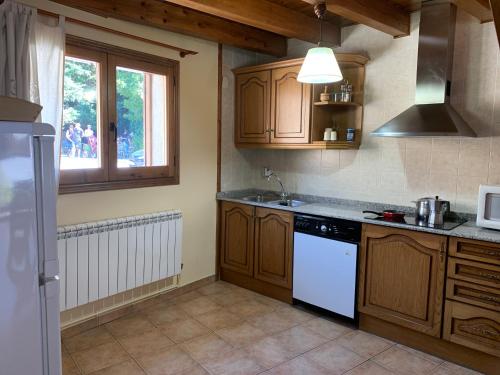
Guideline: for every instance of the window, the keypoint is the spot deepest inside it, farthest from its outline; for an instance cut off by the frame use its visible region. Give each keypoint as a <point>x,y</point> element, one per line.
<point>120,125</point>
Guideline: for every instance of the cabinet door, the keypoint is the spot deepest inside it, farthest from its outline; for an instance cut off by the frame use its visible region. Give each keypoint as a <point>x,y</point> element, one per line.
<point>273,247</point>
<point>237,237</point>
<point>290,107</point>
<point>252,107</point>
<point>402,277</point>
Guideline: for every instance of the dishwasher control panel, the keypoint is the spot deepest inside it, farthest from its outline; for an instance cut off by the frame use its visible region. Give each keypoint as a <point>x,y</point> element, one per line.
<point>339,229</point>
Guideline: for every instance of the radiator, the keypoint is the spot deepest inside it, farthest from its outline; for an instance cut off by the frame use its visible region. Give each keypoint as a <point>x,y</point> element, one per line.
<point>98,260</point>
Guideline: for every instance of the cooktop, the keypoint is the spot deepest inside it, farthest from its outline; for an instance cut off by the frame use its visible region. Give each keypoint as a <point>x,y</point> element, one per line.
<point>411,221</point>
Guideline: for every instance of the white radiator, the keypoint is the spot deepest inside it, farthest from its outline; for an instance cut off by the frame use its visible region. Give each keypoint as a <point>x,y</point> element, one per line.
<point>97,260</point>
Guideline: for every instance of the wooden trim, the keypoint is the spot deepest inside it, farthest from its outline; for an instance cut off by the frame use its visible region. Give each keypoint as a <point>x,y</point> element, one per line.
<point>266,15</point>
<point>248,282</point>
<point>167,16</point>
<point>117,185</point>
<point>449,351</point>
<point>495,7</point>
<point>219,160</point>
<point>182,52</point>
<point>344,60</point>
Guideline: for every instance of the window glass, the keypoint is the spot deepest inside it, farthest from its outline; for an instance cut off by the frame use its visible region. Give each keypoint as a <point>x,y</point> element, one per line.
<point>81,139</point>
<point>141,118</point>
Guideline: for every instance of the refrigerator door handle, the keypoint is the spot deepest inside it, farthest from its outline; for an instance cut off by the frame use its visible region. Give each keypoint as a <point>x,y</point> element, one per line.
<point>47,279</point>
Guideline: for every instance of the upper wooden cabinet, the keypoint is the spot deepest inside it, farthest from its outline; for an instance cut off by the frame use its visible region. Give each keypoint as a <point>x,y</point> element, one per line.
<point>253,93</point>
<point>402,277</point>
<point>274,110</point>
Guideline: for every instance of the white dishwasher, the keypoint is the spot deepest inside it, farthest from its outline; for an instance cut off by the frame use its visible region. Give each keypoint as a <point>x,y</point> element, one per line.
<point>325,263</point>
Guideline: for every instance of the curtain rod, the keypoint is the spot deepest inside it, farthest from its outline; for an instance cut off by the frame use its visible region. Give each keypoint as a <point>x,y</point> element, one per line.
<point>182,52</point>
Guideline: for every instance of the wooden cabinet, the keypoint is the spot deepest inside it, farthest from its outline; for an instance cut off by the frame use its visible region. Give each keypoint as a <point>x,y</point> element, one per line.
<point>253,95</point>
<point>402,277</point>
<point>257,248</point>
<point>472,312</point>
<point>290,106</point>
<point>274,110</point>
<point>273,247</point>
<point>237,245</point>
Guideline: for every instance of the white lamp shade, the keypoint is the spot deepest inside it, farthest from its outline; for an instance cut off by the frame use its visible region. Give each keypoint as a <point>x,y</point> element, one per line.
<point>320,66</point>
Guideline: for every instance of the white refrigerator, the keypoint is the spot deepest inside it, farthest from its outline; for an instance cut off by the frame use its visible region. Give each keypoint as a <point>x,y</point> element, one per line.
<point>29,286</point>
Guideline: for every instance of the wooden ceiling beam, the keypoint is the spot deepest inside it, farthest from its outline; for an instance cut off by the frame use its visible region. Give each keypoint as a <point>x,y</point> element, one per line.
<point>495,7</point>
<point>181,20</point>
<point>382,15</point>
<point>478,8</point>
<point>269,16</point>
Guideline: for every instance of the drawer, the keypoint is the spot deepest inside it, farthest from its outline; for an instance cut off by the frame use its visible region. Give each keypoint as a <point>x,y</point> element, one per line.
<point>474,272</point>
<point>475,250</point>
<point>472,327</point>
<point>473,294</point>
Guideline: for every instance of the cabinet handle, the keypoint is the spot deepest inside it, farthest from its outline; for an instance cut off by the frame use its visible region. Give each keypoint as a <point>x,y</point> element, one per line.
<point>489,276</point>
<point>442,252</point>
<point>490,298</point>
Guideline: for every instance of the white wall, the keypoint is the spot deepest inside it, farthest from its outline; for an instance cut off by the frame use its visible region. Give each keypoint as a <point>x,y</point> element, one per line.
<point>195,195</point>
<point>391,170</point>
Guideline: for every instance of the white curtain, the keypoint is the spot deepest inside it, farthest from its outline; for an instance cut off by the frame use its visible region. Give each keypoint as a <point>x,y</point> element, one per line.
<point>17,23</point>
<point>48,75</point>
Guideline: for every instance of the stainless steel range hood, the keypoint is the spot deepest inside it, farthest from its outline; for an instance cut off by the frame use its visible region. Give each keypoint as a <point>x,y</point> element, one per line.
<point>432,114</point>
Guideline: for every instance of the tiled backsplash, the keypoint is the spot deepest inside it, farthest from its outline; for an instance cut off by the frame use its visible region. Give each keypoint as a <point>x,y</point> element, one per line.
<point>388,170</point>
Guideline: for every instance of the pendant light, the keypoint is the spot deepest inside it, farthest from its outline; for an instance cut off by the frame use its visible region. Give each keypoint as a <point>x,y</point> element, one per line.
<point>320,64</point>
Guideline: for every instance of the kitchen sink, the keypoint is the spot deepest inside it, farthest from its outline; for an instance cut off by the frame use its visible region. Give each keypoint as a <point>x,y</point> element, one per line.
<point>261,198</point>
<point>288,203</point>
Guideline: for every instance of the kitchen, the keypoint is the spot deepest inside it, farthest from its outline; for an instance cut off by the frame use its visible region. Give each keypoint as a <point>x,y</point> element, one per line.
<point>402,295</point>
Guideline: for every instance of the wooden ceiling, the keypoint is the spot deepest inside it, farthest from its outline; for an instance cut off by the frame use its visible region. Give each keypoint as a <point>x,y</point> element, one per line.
<point>265,25</point>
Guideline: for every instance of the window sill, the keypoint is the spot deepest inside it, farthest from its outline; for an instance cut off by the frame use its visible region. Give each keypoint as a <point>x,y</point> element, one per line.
<point>116,185</point>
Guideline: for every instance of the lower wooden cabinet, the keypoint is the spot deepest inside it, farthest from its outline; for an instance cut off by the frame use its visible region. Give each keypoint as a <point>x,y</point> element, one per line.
<point>473,327</point>
<point>401,278</point>
<point>257,249</point>
<point>273,247</point>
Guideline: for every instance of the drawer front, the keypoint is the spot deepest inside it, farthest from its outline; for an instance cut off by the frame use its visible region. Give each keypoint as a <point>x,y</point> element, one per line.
<point>480,273</point>
<point>475,250</point>
<point>472,327</point>
<point>473,294</point>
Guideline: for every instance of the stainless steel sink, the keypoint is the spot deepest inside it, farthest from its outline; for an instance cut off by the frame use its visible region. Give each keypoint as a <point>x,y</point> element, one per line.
<point>288,203</point>
<point>260,198</point>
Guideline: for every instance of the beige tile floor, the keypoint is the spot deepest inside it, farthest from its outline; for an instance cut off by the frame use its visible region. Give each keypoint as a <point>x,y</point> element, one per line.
<point>221,329</point>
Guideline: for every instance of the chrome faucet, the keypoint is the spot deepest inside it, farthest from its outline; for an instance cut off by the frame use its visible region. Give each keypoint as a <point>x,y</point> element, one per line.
<point>284,194</point>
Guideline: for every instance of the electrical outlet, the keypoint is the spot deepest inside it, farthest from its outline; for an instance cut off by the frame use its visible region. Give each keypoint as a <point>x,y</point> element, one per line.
<point>267,172</point>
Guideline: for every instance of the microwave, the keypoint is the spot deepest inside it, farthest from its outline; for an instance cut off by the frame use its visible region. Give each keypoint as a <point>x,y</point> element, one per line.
<point>488,207</point>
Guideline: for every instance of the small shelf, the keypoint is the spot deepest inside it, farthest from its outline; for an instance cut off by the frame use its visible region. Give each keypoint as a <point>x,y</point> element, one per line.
<point>332,145</point>
<point>340,104</point>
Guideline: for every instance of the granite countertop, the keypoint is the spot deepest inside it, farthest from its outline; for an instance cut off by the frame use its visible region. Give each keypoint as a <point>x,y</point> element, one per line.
<point>352,210</point>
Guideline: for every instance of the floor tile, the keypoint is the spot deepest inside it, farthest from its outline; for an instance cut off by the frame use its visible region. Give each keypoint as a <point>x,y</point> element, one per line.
<point>326,328</point>
<point>271,322</point>
<point>249,307</point>
<point>298,366</point>
<point>88,339</point>
<point>207,347</point>
<point>230,298</point>
<point>128,326</point>
<point>402,361</point>
<point>186,297</point>
<point>364,343</point>
<point>198,306</point>
<point>125,368</point>
<point>100,357</point>
<point>298,340</point>
<point>369,368</point>
<point>448,368</point>
<point>184,330</point>
<point>68,365</point>
<point>166,314</point>
<point>145,343</point>
<point>295,314</point>
<point>236,362</point>
<point>271,302</point>
<point>335,357</point>
<point>268,352</point>
<point>216,288</point>
<point>198,370</point>
<point>219,319</point>
<point>170,361</point>
<point>240,335</point>
<point>420,354</point>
